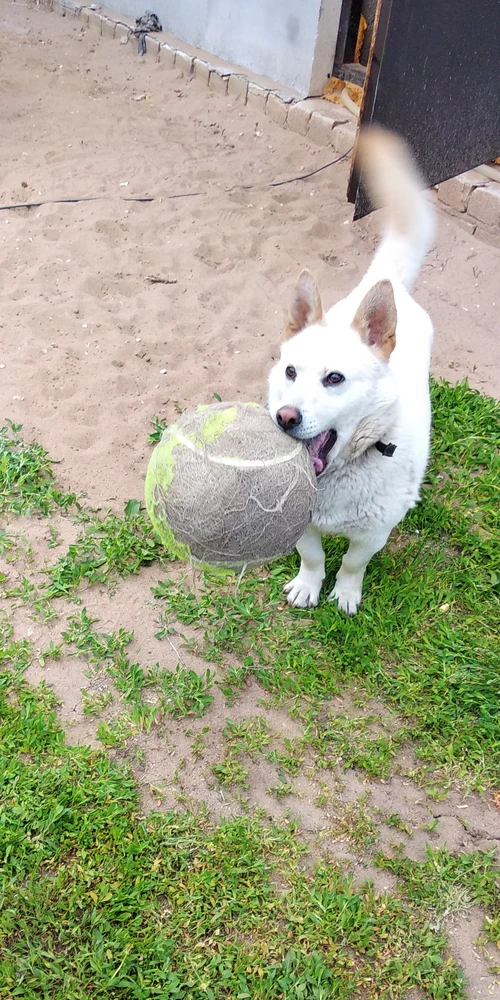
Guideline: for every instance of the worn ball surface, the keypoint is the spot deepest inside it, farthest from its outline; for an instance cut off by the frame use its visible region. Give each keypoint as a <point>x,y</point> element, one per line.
<point>226,487</point>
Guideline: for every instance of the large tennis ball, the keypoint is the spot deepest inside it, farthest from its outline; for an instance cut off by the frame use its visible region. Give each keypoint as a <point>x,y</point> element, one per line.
<point>226,487</point>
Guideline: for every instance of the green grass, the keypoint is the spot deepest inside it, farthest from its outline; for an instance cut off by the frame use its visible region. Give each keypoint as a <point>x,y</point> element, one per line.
<point>350,742</point>
<point>281,790</point>
<point>98,902</point>
<point>353,822</point>
<point>184,691</point>
<point>15,654</point>
<point>231,771</point>
<point>159,425</point>
<point>27,481</point>
<point>251,736</point>
<point>426,639</point>
<point>177,693</point>
<point>95,702</point>
<point>108,547</point>
<point>115,734</point>
<point>395,821</point>
<point>199,743</point>
<point>234,681</point>
<point>50,652</point>
<point>6,542</point>
<point>247,739</point>
<point>291,758</point>
<point>445,884</point>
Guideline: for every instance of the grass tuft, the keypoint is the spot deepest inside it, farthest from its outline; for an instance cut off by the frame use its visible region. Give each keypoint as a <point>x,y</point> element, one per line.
<point>108,548</point>
<point>27,481</point>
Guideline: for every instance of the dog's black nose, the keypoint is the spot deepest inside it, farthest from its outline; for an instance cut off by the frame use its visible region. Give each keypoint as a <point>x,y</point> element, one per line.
<point>288,417</point>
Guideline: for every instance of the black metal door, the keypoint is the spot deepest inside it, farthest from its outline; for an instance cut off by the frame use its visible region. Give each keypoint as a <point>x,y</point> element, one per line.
<point>434,77</point>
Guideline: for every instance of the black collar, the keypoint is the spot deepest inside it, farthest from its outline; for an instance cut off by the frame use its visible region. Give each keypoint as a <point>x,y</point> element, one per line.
<point>385,449</point>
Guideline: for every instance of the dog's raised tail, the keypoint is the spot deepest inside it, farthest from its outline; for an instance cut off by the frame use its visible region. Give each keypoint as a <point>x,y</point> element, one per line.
<point>393,182</point>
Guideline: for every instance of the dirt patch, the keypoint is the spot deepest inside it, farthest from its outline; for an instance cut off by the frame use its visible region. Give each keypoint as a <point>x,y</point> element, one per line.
<point>463,932</point>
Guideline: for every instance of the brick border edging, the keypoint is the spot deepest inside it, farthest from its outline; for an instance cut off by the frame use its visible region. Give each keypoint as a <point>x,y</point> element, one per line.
<point>332,126</point>
<point>470,198</point>
<point>474,202</point>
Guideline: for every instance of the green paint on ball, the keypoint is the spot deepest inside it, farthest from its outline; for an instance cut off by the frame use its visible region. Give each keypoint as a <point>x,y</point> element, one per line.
<point>163,458</point>
<point>217,424</point>
<point>165,535</point>
<point>158,479</point>
<point>161,471</point>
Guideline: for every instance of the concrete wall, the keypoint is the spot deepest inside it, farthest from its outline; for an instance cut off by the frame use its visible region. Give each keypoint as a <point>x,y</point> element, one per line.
<point>290,41</point>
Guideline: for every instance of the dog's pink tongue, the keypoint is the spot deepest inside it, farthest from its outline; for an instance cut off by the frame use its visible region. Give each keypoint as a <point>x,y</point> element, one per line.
<point>315,445</point>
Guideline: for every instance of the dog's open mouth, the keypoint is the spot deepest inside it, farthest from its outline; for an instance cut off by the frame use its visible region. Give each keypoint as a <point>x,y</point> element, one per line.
<point>319,447</point>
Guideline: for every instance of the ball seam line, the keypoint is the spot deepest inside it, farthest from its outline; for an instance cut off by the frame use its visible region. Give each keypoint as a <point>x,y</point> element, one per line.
<point>242,463</point>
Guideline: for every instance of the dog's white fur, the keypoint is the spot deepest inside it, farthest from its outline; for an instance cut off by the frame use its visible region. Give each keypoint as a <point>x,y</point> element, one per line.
<point>363,494</point>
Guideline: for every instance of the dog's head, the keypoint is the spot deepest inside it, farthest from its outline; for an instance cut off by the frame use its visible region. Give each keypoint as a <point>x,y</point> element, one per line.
<point>332,386</point>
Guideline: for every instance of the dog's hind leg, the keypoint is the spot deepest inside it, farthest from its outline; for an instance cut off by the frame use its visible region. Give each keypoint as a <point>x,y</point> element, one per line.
<point>303,591</point>
<point>349,582</point>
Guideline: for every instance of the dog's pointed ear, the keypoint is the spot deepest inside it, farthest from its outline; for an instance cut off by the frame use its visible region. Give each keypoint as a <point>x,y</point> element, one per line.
<point>306,307</point>
<point>376,319</point>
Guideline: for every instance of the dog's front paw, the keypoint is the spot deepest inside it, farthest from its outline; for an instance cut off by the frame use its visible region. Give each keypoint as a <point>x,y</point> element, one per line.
<point>347,598</point>
<point>302,593</point>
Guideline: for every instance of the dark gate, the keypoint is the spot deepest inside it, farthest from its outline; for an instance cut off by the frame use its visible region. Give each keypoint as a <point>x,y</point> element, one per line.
<point>434,77</point>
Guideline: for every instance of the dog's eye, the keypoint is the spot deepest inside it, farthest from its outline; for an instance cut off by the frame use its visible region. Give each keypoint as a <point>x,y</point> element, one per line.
<point>333,378</point>
<point>290,372</point>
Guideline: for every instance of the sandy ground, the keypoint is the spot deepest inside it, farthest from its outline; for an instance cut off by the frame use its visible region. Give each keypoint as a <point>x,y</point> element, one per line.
<point>90,349</point>
<point>84,336</point>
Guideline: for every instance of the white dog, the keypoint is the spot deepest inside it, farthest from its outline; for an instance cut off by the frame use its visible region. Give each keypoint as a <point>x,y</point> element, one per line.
<point>353,383</point>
